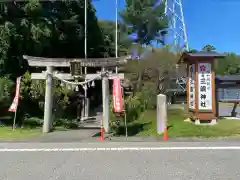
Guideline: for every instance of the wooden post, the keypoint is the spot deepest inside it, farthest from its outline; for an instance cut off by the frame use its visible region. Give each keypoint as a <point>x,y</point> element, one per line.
<point>47,124</point>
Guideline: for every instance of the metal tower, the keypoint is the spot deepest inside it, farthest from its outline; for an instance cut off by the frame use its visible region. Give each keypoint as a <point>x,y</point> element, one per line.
<point>177,34</point>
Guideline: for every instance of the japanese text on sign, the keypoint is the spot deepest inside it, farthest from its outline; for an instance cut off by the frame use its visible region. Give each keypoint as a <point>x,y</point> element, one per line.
<point>204,86</point>
<point>191,82</point>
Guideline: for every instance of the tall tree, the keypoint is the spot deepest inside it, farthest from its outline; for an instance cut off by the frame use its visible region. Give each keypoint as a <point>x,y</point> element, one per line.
<point>108,29</point>
<point>228,65</point>
<point>208,48</point>
<point>45,28</point>
<point>146,19</point>
<point>193,51</point>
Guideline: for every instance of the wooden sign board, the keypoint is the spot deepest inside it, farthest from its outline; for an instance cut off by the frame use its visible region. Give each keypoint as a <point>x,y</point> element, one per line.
<point>205,86</point>
<point>201,85</point>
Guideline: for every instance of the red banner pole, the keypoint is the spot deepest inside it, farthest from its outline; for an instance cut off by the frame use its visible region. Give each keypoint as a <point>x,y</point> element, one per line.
<point>14,105</point>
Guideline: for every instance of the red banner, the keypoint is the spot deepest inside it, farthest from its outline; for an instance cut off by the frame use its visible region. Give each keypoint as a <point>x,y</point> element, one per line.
<point>13,107</point>
<point>117,96</point>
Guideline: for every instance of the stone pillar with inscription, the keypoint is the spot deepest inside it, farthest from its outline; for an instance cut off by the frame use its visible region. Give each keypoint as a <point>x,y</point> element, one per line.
<point>201,96</point>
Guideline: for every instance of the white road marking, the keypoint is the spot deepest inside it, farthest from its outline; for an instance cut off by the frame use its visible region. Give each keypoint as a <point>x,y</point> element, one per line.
<point>116,149</point>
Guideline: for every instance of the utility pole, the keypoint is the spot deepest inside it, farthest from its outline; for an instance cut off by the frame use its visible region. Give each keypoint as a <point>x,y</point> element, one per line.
<point>116,33</point>
<point>86,100</point>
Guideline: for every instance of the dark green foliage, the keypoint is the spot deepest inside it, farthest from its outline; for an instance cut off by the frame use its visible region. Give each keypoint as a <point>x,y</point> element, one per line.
<point>230,65</point>
<point>47,29</point>
<point>108,29</point>
<point>135,105</point>
<point>146,19</point>
<point>208,48</point>
<point>6,91</point>
<point>32,97</point>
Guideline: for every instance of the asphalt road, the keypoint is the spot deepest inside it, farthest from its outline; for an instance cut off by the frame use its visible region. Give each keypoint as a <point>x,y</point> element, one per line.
<point>119,164</point>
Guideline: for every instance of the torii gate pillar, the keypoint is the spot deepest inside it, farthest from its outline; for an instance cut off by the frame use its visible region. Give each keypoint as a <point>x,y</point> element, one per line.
<point>48,121</point>
<point>105,101</point>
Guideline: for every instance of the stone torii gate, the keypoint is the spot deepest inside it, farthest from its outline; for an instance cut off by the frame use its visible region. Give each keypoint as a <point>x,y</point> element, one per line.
<point>75,66</point>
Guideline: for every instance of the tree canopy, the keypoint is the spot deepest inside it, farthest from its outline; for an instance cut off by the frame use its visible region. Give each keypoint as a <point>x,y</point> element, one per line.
<point>56,29</point>
<point>146,19</point>
<point>208,48</point>
<point>108,29</point>
<point>225,66</point>
<point>50,29</point>
<point>230,65</point>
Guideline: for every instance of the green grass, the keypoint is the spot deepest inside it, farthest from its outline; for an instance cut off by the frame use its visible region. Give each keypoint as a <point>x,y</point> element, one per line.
<point>179,128</point>
<point>6,133</point>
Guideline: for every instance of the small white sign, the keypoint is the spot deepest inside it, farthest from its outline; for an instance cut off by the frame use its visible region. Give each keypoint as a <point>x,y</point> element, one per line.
<point>204,86</point>
<point>191,86</point>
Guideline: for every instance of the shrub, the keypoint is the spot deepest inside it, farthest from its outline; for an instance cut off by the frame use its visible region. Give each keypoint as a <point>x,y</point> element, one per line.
<point>33,122</point>
<point>33,97</point>
<point>135,105</point>
<point>6,89</point>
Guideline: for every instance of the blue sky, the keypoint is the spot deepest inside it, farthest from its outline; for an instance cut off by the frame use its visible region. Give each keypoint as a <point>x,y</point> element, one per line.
<point>215,22</point>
